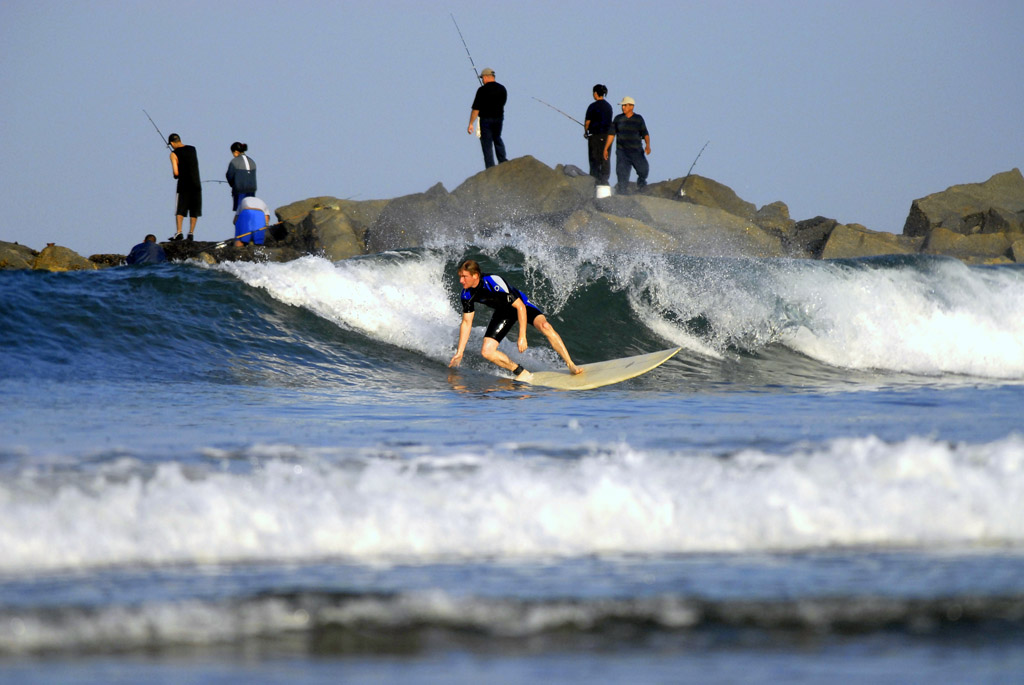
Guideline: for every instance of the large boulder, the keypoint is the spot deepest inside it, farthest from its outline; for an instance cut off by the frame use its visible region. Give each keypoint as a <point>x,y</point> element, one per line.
<point>849,241</point>
<point>587,229</point>
<point>416,220</point>
<point>808,237</point>
<point>328,225</point>
<point>57,258</point>
<point>774,218</point>
<point>15,256</point>
<point>942,241</point>
<point>518,190</point>
<point>995,206</point>
<point>709,231</point>
<point>1017,250</point>
<point>703,191</point>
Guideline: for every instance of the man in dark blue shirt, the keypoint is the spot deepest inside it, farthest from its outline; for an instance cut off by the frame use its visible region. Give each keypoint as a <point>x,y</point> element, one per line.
<point>510,307</point>
<point>596,125</point>
<point>146,252</point>
<point>633,142</point>
<point>489,105</point>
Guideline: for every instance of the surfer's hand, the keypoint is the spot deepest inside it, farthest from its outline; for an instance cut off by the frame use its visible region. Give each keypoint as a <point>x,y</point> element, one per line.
<point>455,361</point>
<point>522,344</point>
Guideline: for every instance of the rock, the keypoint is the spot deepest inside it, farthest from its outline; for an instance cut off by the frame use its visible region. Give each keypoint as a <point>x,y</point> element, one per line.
<point>416,220</point>
<point>517,190</point>
<point>808,237</point>
<point>207,251</point>
<point>853,240</point>
<point>593,230</point>
<point>57,258</point>
<point>334,233</point>
<point>774,218</point>
<point>706,192</point>
<point>995,206</point>
<point>15,256</point>
<point>105,261</point>
<point>942,241</point>
<point>1017,250</point>
<point>708,231</point>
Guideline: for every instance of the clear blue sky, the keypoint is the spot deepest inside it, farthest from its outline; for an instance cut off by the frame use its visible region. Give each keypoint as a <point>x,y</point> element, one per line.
<point>844,109</point>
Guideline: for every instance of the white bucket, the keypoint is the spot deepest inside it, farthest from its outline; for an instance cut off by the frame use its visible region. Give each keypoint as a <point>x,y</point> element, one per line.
<point>603,191</point>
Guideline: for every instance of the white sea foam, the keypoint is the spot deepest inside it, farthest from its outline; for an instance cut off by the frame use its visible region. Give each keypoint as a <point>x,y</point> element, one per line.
<point>936,318</point>
<point>932,318</point>
<point>401,301</point>
<point>505,505</point>
<point>948,319</point>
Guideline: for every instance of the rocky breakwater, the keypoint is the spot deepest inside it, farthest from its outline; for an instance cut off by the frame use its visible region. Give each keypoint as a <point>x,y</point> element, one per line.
<point>524,197</point>
<point>979,223</point>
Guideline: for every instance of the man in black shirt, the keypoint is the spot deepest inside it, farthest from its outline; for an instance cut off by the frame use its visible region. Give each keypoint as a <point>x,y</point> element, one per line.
<point>489,105</point>
<point>595,129</point>
<point>185,167</point>
<point>634,142</point>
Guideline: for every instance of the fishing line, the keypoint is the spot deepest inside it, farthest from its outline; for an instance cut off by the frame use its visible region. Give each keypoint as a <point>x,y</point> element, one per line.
<point>559,111</point>
<point>682,186</point>
<point>163,138</point>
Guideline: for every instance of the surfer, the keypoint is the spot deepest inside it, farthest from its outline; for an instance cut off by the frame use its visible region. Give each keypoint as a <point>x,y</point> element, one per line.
<point>185,167</point>
<point>510,307</point>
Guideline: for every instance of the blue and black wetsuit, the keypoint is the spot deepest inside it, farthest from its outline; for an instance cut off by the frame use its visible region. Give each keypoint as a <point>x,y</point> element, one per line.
<point>496,293</point>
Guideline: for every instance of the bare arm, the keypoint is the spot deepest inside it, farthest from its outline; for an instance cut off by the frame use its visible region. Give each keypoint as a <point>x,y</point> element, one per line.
<point>464,328</point>
<point>647,140</point>
<point>521,311</point>
<point>472,117</point>
<point>174,164</point>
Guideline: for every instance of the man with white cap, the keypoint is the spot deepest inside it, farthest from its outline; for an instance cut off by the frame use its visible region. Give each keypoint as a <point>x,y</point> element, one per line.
<point>634,142</point>
<point>489,105</point>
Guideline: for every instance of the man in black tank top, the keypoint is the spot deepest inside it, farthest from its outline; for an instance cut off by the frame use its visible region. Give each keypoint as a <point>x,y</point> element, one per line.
<point>185,167</point>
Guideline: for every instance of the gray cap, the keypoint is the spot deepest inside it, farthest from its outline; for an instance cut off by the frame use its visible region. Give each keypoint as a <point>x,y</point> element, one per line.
<point>487,72</point>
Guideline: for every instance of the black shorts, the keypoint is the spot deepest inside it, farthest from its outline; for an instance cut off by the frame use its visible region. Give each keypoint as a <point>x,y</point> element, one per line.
<point>503,320</point>
<point>189,203</point>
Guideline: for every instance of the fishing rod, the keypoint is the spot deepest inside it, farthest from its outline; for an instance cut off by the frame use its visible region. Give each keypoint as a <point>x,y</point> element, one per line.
<point>682,186</point>
<point>471,62</point>
<point>559,111</point>
<point>163,138</point>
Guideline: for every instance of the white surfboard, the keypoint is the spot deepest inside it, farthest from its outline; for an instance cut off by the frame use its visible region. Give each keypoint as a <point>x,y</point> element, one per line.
<point>600,374</point>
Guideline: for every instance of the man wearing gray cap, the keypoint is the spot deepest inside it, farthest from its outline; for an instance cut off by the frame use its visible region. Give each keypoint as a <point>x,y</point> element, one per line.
<point>634,141</point>
<point>489,105</point>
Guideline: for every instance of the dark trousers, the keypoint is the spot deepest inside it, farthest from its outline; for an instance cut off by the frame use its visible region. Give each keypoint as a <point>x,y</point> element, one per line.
<point>625,160</point>
<point>600,168</point>
<point>491,142</point>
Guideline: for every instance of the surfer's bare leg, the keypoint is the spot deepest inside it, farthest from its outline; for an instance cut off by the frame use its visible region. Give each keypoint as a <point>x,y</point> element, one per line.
<point>492,354</point>
<point>542,325</point>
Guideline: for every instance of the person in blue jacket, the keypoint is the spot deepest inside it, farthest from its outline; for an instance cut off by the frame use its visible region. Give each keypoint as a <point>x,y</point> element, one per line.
<point>146,252</point>
<point>241,174</point>
<point>510,306</point>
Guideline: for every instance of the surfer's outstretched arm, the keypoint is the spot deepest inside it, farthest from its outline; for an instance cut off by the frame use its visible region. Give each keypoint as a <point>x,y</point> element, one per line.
<point>542,325</point>
<point>464,329</point>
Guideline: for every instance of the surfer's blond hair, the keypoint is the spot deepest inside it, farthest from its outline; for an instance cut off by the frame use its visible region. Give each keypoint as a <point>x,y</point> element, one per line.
<point>470,266</point>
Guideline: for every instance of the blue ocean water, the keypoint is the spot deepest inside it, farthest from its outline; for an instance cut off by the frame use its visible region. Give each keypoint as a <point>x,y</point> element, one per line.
<point>267,473</point>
